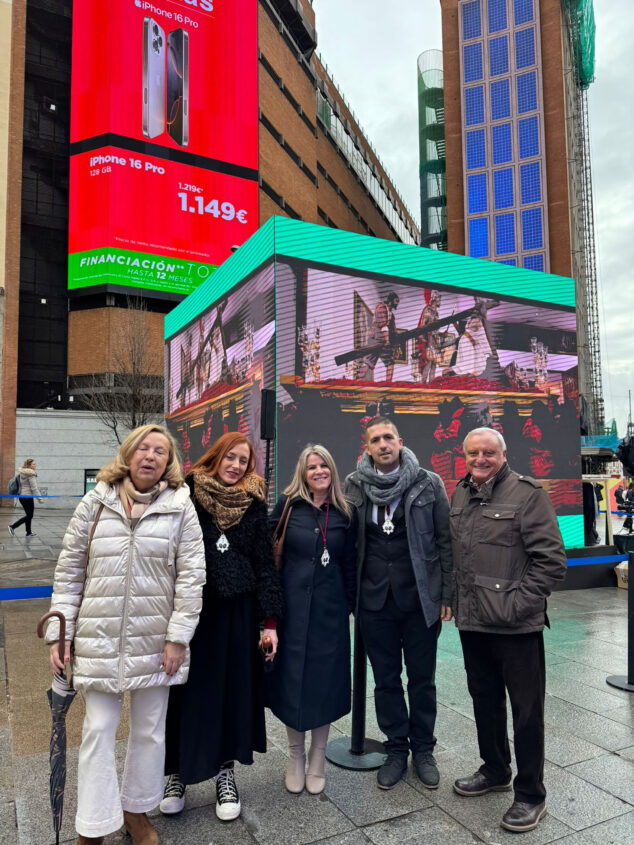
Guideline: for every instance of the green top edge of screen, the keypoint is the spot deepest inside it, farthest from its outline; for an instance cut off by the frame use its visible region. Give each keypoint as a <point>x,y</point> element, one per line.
<point>355,254</point>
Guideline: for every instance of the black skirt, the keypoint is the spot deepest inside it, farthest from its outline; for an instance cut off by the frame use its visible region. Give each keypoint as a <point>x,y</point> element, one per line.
<point>218,715</point>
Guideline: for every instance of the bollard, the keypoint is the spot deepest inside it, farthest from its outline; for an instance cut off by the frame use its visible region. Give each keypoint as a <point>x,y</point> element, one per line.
<point>357,751</point>
<point>626,682</point>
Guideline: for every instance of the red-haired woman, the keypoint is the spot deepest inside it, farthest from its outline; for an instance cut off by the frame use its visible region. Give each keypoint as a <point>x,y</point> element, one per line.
<point>218,716</point>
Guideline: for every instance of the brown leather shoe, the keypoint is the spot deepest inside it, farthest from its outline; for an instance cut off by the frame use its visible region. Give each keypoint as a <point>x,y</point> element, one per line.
<point>521,816</point>
<point>140,829</point>
<point>90,840</point>
<point>479,784</point>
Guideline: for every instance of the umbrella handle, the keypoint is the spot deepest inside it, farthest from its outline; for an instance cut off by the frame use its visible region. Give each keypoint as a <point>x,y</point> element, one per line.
<point>62,629</point>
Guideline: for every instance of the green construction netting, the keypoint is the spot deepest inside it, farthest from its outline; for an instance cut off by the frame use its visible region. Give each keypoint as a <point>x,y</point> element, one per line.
<point>584,29</point>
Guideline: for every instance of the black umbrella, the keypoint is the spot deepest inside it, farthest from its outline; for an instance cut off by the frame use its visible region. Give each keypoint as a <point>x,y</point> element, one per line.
<point>60,697</point>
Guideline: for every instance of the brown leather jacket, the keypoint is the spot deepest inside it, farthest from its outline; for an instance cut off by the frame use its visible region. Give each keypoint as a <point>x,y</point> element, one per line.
<point>508,554</point>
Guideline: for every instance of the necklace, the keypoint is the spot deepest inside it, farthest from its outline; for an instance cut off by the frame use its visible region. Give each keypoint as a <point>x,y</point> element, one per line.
<point>222,544</point>
<point>325,556</point>
<point>388,525</point>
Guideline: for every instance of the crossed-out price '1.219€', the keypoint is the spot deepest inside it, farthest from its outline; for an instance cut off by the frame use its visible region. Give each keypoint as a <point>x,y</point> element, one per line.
<point>198,204</point>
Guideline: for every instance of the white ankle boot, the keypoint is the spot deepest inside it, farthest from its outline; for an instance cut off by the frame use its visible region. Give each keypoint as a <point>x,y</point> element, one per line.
<point>315,777</point>
<point>296,764</point>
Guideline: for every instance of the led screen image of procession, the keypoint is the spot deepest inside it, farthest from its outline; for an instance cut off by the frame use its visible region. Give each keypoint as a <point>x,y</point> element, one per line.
<point>345,327</point>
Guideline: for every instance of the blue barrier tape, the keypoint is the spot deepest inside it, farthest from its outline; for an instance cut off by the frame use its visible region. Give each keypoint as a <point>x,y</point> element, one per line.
<point>591,561</point>
<point>13,593</point>
<point>20,496</point>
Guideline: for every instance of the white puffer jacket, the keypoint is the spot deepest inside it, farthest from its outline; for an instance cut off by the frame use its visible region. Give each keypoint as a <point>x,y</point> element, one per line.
<point>142,587</point>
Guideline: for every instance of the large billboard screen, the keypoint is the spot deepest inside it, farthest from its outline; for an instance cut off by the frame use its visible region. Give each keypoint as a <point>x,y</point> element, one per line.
<point>178,73</point>
<point>217,366</point>
<point>145,222</point>
<point>439,361</point>
<point>164,130</point>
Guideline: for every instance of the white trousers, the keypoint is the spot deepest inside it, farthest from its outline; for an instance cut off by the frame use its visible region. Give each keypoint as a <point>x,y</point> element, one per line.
<point>100,806</point>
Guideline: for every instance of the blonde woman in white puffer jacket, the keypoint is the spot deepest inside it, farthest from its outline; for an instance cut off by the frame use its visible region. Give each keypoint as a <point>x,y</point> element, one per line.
<point>130,616</point>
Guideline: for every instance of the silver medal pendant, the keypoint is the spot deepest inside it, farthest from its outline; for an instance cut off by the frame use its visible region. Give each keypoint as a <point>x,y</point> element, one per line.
<point>222,544</point>
<point>388,525</point>
<point>325,557</point>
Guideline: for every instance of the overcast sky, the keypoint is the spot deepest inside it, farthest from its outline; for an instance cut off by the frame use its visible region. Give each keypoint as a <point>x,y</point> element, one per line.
<point>371,48</point>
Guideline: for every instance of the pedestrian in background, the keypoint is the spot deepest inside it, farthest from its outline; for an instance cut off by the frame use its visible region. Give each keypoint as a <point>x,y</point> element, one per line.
<point>309,686</point>
<point>29,490</point>
<point>508,555</point>
<point>218,716</point>
<point>404,577</point>
<point>131,597</point>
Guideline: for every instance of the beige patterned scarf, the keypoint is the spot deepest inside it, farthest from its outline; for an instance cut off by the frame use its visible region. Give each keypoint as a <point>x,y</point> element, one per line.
<point>227,504</point>
<point>136,503</point>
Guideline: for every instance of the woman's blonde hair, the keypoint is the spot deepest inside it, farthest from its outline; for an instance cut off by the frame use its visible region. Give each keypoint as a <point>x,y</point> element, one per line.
<point>28,463</point>
<point>120,467</point>
<point>299,487</point>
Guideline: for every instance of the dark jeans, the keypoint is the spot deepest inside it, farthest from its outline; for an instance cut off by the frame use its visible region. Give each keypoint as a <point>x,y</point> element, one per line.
<point>389,634</point>
<point>515,662</point>
<point>29,507</point>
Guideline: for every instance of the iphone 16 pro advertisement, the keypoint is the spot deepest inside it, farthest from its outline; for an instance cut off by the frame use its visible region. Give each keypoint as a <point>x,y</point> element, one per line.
<point>145,222</point>
<point>178,73</point>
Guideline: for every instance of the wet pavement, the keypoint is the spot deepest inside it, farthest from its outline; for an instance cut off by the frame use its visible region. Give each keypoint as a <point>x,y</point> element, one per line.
<point>589,741</point>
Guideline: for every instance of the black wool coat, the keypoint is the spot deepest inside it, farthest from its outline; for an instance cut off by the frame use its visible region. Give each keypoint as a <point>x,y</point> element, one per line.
<point>247,566</point>
<point>309,685</point>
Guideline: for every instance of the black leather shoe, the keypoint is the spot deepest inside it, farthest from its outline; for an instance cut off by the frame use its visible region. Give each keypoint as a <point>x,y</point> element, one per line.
<point>426,769</point>
<point>391,771</point>
<point>521,816</point>
<point>479,784</point>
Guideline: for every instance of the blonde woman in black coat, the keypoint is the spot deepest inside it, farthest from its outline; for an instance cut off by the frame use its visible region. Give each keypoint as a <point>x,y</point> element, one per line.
<point>309,686</point>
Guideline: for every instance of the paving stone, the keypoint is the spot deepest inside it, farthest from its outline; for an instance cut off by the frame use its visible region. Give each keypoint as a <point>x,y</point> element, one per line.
<point>619,831</point>
<point>564,748</point>
<point>592,727</point>
<point>276,817</point>
<point>8,824</point>
<point>357,795</point>
<point>579,693</point>
<point>432,826</point>
<point>610,772</point>
<point>355,837</point>
<point>627,753</point>
<point>578,803</point>
<point>596,678</point>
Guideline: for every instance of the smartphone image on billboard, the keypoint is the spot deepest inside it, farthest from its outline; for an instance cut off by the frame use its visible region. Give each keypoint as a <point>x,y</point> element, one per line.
<point>153,78</point>
<point>178,86</point>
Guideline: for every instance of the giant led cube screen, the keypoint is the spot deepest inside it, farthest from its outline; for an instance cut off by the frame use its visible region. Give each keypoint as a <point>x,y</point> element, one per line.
<point>344,327</point>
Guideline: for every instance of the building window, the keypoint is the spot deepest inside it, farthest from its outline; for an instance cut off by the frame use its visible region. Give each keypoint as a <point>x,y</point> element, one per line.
<point>473,62</point>
<point>504,233</point>
<point>477,187</point>
<point>512,262</point>
<point>474,105</point>
<point>501,142</point>
<point>471,25</point>
<point>524,48</point>
<point>500,99</point>
<point>479,237</point>
<point>498,56</point>
<point>532,235</point>
<point>528,130</point>
<point>497,15</point>
<point>523,11</point>
<point>503,188</point>
<point>476,150</point>
<point>527,92</point>
<point>530,183</point>
<point>534,262</point>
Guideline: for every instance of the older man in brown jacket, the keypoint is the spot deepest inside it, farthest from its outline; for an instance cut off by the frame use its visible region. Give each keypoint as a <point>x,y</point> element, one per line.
<point>508,554</point>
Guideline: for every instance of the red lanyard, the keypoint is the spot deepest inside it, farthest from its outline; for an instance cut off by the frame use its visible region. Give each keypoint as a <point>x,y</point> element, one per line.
<point>325,528</point>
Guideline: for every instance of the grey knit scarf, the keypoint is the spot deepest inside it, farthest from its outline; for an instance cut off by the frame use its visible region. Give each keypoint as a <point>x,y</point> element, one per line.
<point>383,489</point>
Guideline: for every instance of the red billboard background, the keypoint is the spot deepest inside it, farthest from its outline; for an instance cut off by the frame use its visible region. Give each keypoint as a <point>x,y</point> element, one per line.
<point>107,86</point>
<point>139,202</point>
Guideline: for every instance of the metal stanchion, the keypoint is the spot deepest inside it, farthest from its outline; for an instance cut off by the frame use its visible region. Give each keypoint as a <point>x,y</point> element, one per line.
<point>357,751</point>
<point>626,682</point>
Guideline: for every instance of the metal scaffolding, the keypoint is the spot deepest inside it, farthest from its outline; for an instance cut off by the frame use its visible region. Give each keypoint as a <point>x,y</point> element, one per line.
<point>431,136</point>
<point>580,20</point>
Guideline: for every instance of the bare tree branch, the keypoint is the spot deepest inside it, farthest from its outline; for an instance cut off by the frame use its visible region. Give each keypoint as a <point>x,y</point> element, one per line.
<point>132,393</point>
